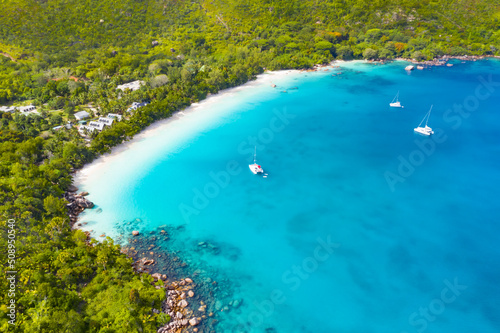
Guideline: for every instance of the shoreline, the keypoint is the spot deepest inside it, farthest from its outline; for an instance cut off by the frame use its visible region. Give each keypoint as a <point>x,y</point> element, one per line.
<point>154,129</point>
<point>188,313</point>
<point>81,175</point>
<point>186,302</point>
<point>212,299</point>
<point>441,60</point>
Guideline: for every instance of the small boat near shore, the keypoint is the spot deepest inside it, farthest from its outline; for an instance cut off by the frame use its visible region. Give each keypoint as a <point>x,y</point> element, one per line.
<point>426,130</point>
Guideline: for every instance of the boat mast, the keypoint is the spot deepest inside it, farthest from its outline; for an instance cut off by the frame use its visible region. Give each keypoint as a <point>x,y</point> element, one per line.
<point>428,115</point>
<point>419,125</point>
<point>396,98</point>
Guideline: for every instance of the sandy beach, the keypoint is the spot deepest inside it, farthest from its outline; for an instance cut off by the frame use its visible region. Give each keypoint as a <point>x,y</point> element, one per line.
<point>181,119</point>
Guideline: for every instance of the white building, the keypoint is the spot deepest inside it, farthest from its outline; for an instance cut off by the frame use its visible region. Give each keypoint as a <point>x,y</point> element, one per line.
<point>27,109</point>
<point>84,128</point>
<point>106,121</point>
<point>96,125</point>
<point>81,115</point>
<point>134,85</point>
<point>9,109</point>
<point>116,116</point>
<point>136,105</point>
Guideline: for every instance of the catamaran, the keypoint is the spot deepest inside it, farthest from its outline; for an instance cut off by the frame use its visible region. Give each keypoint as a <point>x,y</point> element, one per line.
<point>395,102</point>
<point>255,168</point>
<point>426,130</point>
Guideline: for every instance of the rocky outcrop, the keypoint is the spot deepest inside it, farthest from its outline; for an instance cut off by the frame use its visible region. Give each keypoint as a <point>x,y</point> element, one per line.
<point>157,276</point>
<point>72,188</point>
<point>443,60</point>
<point>83,203</point>
<point>186,308</point>
<point>77,203</point>
<point>183,318</point>
<point>141,265</point>
<point>194,321</point>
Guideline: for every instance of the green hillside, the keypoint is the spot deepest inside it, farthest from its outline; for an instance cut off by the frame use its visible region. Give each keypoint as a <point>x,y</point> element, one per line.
<point>61,55</point>
<point>67,28</point>
<point>85,36</point>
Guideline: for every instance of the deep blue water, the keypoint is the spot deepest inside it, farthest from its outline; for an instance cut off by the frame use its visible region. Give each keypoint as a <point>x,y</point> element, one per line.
<point>360,226</point>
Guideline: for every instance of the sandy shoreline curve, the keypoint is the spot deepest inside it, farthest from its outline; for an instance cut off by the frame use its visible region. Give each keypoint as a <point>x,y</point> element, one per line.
<point>261,79</point>
<point>266,78</point>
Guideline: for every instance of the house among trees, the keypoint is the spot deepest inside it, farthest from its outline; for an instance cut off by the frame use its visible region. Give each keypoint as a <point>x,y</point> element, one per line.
<point>116,116</point>
<point>96,125</point>
<point>106,121</point>
<point>81,115</point>
<point>136,105</point>
<point>8,109</point>
<point>84,128</point>
<point>28,109</point>
<point>134,85</point>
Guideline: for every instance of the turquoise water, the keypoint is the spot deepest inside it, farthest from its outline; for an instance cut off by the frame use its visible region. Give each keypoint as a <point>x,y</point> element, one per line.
<point>360,226</point>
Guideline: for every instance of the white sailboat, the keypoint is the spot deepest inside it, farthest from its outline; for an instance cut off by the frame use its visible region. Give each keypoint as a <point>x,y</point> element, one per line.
<point>255,168</point>
<point>426,130</point>
<point>395,102</point>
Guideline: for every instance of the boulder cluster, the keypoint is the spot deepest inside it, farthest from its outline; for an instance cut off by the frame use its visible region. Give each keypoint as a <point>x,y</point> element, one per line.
<point>185,309</point>
<point>180,300</point>
<point>76,203</point>
<point>144,265</point>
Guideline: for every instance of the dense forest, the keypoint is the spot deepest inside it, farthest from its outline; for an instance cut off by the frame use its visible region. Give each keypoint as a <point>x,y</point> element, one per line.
<point>61,55</point>
<point>113,41</point>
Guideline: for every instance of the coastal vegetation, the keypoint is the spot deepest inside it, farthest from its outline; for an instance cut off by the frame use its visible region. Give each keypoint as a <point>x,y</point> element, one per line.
<point>63,56</point>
